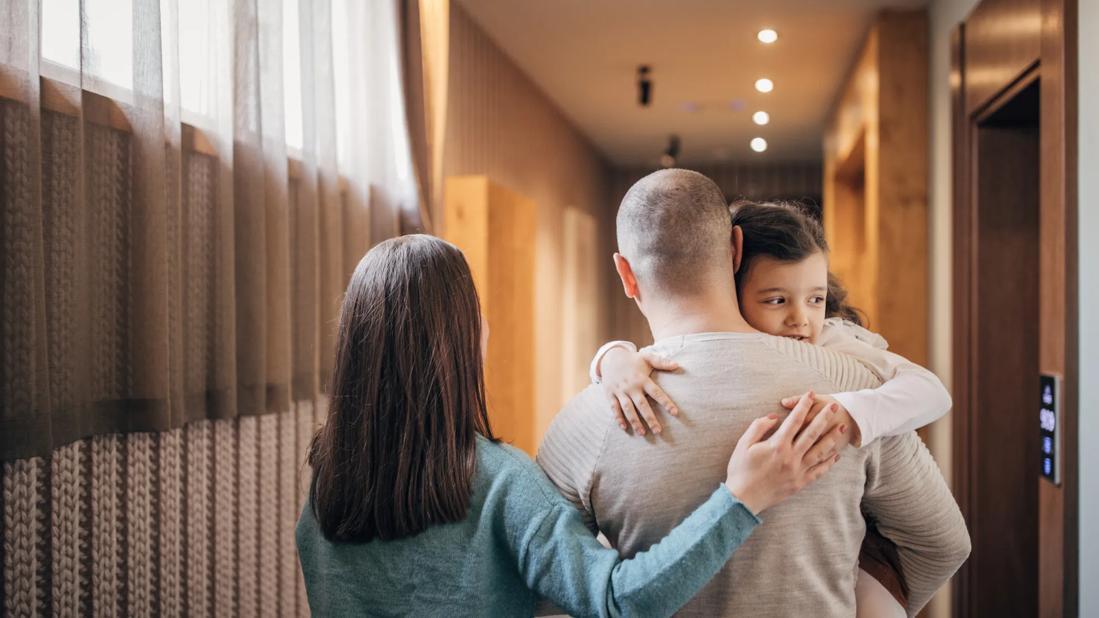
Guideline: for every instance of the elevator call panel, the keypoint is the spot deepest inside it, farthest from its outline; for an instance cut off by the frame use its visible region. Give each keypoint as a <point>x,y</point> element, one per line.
<point>1049,422</point>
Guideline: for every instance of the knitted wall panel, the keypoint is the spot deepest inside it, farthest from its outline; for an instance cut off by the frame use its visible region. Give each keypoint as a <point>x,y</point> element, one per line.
<point>289,499</point>
<point>17,245</point>
<point>226,503</point>
<point>107,525</point>
<point>196,521</point>
<point>170,504</point>
<point>23,538</point>
<point>70,539</point>
<point>61,237</point>
<point>199,517</point>
<point>269,521</point>
<point>305,422</point>
<point>140,500</point>
<point>108,181</point>
<point>247,518</point>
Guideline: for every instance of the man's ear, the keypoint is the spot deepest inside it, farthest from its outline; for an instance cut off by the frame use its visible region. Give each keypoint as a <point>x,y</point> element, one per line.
<point>738,247</point>
<point>625,273</point>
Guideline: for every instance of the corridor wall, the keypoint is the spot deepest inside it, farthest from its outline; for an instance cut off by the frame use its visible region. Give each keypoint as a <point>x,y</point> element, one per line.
<point>1088,261</point>
<point>500,125</point>
<point>944,16</point>
<point>196,521</point>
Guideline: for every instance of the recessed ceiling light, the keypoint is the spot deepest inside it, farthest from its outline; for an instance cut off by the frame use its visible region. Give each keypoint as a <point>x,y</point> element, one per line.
<point>767,36</point>
<point>764,85</point>
<point>761,118</point>
<point>759,144</point>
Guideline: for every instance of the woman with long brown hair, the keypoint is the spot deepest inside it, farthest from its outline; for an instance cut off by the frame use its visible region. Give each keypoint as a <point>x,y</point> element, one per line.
<point>417,509</point>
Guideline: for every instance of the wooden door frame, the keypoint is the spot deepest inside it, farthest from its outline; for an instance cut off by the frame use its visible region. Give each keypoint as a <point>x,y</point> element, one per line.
<point>1056,67</point>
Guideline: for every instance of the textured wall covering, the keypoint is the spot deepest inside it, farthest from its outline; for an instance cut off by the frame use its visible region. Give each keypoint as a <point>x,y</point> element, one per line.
<point>499,124</point>
<point>197,521</point>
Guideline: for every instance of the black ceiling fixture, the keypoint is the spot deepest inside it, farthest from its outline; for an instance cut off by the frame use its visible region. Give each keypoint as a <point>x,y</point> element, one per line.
<point>644,86</point>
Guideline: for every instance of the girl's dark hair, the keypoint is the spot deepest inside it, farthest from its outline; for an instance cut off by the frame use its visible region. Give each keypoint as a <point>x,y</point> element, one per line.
<point>786,232</point>
<point>399,451</point>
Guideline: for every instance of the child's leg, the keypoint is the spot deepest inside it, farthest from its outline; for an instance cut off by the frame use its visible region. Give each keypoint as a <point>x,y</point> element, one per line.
<point>872,600</point>
<point>880,589</point>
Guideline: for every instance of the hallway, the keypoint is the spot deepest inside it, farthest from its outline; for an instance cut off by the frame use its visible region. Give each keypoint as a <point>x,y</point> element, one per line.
<point>187,189</point>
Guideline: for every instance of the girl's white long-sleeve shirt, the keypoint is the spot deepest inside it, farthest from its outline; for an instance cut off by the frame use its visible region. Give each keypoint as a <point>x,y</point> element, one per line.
<point>910,396</point>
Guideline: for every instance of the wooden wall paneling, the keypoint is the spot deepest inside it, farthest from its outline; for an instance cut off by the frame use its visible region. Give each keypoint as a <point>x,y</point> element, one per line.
<point>580,298</point>
<point>500,125</point>
<point>1003,39</point>
<point>1058,351</point>
<point>495,227</point>
<point>964,250</point>
<point>851,165</point>
<point>846,223</point>
<point>902,302</point>
<point>875,186</point>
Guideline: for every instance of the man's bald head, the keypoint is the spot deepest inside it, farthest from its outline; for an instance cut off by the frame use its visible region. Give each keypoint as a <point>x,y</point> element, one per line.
<point>674,229</point>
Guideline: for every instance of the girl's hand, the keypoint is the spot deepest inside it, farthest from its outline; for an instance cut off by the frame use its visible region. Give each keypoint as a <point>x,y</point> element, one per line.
<point>849,429</point>
<point>628,384</point>
<point>764,471</point>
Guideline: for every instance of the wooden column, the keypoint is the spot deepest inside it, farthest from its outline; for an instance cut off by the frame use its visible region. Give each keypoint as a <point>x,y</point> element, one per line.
<point>495,229</point>
<point>875,182</point>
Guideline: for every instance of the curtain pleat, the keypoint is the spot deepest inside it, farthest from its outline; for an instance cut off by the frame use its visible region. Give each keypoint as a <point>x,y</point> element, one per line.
<point>163,264</point>
<point>24,401</point>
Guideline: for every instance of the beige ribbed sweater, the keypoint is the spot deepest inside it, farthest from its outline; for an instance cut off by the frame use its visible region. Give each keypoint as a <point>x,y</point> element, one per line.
<point>802,560</point>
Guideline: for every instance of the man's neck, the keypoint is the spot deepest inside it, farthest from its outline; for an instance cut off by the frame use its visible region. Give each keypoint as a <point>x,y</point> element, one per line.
<point>697,315</point>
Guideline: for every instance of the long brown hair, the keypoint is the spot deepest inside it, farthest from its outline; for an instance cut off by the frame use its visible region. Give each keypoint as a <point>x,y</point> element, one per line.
<point>399,449</point>
<point>786,232</point>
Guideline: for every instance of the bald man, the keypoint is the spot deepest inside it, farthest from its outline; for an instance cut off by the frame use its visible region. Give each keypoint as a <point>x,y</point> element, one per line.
<point>676,256</point>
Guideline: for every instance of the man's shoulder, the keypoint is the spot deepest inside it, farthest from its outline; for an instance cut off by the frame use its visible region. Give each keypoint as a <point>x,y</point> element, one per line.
<point>582,421</point>
<point>723,358</point>
<point>845,372</point>
<point>574,441</point>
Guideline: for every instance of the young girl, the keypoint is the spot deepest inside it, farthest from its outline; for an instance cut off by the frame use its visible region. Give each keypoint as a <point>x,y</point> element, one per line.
<point>784,289</point>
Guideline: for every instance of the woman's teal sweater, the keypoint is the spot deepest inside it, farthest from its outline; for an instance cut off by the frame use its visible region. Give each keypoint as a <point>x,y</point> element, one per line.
<point>520,540</point>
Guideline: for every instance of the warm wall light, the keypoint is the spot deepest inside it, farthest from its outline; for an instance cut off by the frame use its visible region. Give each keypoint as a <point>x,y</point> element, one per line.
<point>761,118</point>
<point>764,85</point>
<point>759,144</point>
<point>767,36</point>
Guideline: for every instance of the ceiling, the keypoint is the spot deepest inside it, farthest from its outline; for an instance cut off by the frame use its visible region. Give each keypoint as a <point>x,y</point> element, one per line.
<point>705,59</point>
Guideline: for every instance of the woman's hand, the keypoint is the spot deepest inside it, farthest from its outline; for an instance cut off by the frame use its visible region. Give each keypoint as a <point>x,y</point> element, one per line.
<point>628,384</point>
<point>764,471</point>
<point>851,433</point>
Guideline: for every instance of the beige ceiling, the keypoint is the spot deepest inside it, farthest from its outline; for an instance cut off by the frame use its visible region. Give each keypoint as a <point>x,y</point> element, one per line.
<point>584,55</point>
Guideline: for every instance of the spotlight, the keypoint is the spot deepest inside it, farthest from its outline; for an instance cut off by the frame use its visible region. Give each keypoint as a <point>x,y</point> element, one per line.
<point>759,144</point>
<point>764,85</point>
<point>644,86</point>
<point>761,118</point>
<point>671,153</point>
<point>767,36</point>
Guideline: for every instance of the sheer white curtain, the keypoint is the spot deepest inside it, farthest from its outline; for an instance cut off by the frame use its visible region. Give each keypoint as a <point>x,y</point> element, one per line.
<point>185,192</point>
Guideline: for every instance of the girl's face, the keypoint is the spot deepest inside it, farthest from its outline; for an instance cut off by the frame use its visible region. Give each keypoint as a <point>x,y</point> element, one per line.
<point>786,298</point>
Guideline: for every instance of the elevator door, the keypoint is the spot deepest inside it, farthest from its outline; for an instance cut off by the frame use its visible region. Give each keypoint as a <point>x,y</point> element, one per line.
<point>1004,516</point>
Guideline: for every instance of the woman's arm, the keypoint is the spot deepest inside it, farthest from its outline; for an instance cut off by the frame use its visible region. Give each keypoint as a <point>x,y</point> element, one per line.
<point>564,563</point>
<point>910,397</point>
<point>560,559</point>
